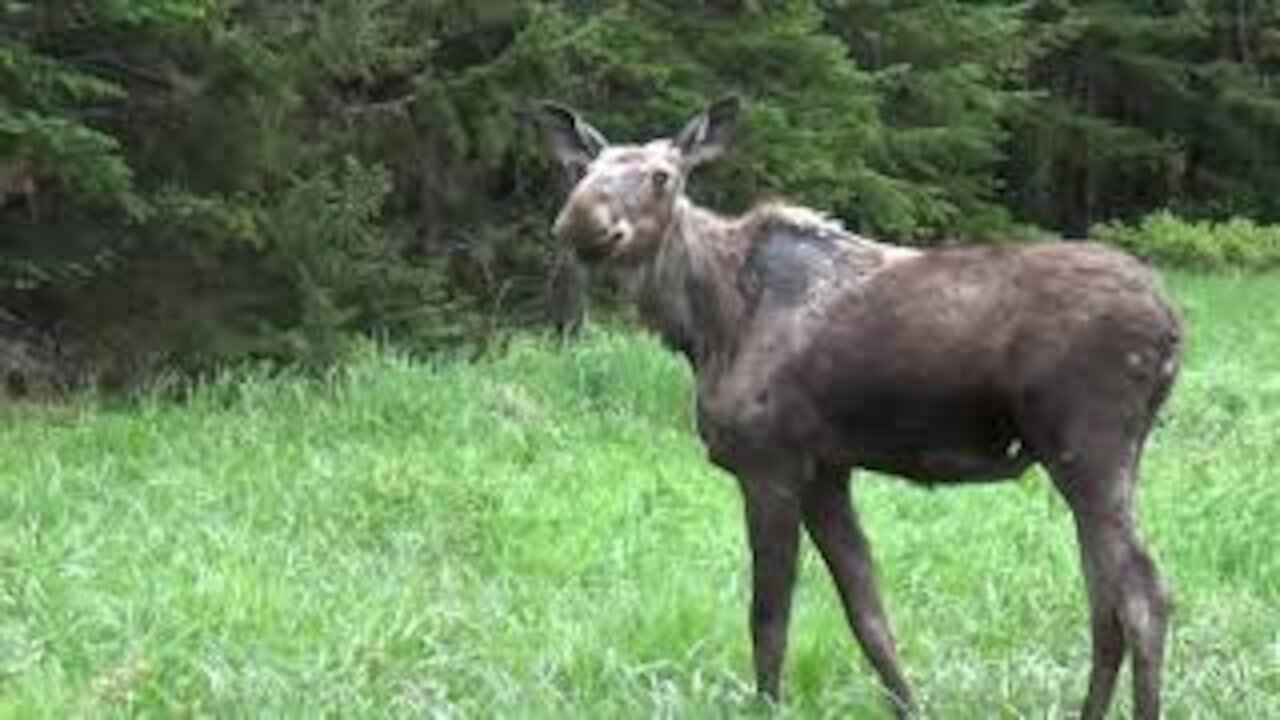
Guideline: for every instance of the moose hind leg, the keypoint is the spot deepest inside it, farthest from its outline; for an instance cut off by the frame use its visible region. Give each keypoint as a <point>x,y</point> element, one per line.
<point>1131,610</point>
<point>1106,632</point>
<point>1129,607</point>
<point>832,525</point>
<point>1146,620</point>
<point>773,529</point>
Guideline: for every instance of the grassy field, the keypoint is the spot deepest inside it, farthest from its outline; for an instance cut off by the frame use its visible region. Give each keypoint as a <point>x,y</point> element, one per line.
<point>539,535</point>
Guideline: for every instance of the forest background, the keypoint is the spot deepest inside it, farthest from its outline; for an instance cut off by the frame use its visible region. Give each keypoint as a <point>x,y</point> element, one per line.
<point>188,184</point>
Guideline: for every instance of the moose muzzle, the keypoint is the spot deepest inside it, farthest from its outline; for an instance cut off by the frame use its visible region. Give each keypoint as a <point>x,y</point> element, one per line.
<point>588,226</point>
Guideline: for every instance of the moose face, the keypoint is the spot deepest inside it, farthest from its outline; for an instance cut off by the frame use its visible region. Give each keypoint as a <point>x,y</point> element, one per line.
<point>626,197</point>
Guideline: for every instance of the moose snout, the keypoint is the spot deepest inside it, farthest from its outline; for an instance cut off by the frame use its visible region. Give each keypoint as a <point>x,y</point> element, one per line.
<point>592,231</point>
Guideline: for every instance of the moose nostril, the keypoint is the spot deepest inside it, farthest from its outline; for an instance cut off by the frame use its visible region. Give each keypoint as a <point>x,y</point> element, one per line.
<point>615,236</point>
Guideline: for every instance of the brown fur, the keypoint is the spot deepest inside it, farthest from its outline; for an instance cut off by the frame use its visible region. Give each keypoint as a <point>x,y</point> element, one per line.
<point>817,351</point>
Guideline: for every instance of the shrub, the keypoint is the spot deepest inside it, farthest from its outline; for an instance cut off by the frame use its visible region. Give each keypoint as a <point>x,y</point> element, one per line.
<point>1166,239</point>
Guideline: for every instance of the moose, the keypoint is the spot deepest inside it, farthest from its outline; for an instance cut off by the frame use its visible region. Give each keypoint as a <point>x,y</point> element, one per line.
<point>816,351</point>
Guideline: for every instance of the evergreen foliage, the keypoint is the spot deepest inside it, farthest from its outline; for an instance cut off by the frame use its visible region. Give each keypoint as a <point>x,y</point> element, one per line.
<point>1144,105</point>
<point>192,182</point>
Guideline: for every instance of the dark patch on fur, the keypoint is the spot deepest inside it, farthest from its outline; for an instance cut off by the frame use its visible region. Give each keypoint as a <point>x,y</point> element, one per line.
<point>784,261</point>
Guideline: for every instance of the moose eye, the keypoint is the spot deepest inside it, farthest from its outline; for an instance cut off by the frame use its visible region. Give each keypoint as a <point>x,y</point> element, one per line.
<point>661,179</point>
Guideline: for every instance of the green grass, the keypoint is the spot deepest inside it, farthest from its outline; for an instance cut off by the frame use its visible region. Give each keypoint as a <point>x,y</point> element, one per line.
<point>539,535</point>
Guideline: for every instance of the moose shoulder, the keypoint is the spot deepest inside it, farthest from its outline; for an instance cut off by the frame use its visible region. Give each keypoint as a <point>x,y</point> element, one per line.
<point>817,351</point>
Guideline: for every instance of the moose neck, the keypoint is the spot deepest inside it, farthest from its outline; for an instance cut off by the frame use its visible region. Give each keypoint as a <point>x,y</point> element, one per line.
<point>688,292</point>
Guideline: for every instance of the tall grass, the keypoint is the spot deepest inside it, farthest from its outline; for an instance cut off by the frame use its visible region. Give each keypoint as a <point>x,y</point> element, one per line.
<point>539,535</point>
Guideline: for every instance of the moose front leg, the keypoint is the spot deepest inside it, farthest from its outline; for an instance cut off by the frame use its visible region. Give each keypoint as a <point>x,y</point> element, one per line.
<point>773,529</point>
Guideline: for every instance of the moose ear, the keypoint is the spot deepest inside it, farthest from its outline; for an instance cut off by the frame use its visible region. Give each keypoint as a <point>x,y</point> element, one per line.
<point>570,137</point>
<point>707,135</point>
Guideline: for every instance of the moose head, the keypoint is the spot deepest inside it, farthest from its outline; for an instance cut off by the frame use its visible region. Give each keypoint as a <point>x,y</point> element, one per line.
<point>626,196</point>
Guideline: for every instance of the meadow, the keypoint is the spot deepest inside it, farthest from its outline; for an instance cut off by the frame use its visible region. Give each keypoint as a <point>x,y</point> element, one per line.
<point>538,534</point>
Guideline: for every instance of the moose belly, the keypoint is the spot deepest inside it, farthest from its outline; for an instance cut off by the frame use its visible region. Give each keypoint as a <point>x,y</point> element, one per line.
<point>933,443</point>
